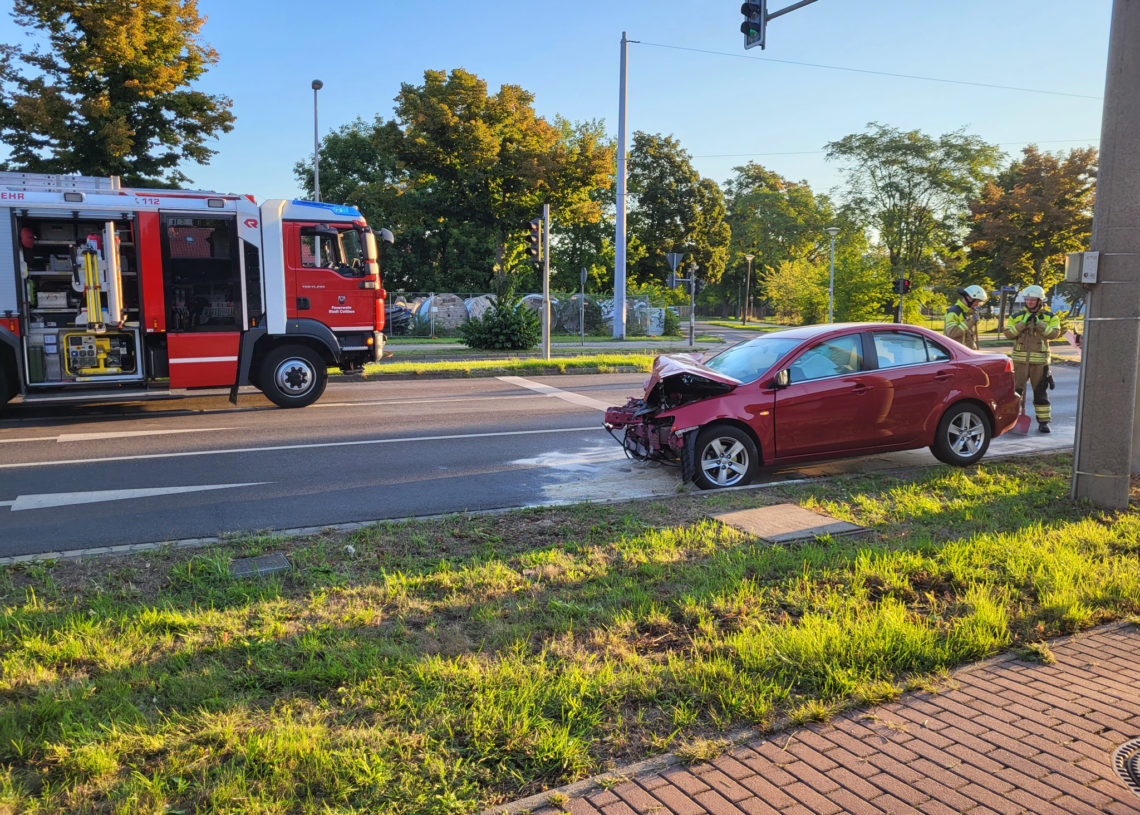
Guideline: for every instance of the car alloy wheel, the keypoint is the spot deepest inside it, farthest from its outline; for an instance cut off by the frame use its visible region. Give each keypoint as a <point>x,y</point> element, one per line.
<point>726,457</point>
<point>963,435</point>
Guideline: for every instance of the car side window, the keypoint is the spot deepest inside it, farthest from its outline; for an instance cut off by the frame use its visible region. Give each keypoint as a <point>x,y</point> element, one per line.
<point>896,348</point>
<point>935,352</point>
<point>836,357</point>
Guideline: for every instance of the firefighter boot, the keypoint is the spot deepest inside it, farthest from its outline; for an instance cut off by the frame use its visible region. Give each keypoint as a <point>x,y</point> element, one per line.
<point>1043,427</point>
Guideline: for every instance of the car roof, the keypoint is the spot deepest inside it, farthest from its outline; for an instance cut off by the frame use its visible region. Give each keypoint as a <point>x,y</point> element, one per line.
<point>807,332</point>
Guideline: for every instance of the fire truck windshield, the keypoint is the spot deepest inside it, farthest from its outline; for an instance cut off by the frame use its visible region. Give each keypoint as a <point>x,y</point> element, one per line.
<point>327,248</point>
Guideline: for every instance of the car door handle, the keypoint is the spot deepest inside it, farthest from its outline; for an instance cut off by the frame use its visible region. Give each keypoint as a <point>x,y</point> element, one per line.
<point>860,388</point>
<point>942,376</point>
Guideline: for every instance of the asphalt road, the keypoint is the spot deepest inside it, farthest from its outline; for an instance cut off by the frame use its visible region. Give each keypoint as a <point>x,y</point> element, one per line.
<point>80,477</point>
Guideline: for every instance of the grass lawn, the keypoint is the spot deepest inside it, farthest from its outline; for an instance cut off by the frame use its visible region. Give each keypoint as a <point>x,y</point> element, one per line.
<point>445,665</point>
<point>585,363</point>
<point>751,326</point>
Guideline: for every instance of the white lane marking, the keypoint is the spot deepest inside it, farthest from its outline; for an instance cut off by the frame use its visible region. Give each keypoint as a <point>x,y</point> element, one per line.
<point>313,446</point>
<point>112,434</point>
<point>547,390</point>
<point>442,399</point>
<point>67,499</point>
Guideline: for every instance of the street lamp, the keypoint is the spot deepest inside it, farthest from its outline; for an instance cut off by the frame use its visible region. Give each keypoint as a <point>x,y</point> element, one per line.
<point>747,300</point>
<point>317,85</point>
<point>832,231</point>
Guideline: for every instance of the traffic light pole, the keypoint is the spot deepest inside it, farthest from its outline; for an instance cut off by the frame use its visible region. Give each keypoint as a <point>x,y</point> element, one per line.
<point>546,281</point>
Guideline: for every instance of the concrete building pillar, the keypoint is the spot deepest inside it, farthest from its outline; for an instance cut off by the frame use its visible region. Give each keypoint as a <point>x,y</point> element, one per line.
<point>1107,450</point>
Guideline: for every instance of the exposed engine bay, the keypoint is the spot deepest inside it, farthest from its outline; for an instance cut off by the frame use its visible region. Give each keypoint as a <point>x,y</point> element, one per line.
<point>676,380</point>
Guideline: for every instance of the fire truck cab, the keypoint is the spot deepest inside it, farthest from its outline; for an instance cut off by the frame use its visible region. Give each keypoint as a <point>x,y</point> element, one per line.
<point>109,291</point>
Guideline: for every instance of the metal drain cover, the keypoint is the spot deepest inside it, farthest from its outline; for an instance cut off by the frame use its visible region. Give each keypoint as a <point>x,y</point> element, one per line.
<point>1126,762</point>
<point>259,566</point>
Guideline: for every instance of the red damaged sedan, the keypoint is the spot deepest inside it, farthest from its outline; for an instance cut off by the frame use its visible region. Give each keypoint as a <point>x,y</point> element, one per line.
<point>821,391</point>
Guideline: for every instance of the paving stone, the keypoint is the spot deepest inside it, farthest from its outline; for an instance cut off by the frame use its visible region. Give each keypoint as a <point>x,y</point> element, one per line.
<point>1010,738</point>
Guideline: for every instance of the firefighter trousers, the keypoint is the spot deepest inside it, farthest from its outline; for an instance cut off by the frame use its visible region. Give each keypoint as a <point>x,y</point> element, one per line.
<point>1038,376</point>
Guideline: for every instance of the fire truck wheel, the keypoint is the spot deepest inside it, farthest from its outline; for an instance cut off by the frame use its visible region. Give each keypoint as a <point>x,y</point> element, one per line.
<point>293,376</point>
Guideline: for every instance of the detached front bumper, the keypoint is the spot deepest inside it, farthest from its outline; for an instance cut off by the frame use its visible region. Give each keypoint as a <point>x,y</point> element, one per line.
<point>641,432</point>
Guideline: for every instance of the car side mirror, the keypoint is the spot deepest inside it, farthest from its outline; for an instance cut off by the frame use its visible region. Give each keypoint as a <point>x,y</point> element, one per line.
<point>783,378</point>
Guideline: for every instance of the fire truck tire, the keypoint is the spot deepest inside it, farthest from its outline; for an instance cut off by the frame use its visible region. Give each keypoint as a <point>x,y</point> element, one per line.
<point>293,376</point>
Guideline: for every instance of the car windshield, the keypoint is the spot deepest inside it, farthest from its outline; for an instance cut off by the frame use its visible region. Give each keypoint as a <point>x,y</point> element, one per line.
<point>748,360</point>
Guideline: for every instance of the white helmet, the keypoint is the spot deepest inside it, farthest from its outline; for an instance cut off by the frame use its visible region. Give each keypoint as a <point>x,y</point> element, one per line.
<point>1032,291</point>
<point>976,293</point>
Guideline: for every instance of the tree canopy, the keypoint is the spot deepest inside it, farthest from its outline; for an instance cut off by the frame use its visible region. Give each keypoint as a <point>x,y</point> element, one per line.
<point>673,209</point>
<point>1025,221</point>
<point>111,93</point>
<point>912,189</point>
<point>458,173</point>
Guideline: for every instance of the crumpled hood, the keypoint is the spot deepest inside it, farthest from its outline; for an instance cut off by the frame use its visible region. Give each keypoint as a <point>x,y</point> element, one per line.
<point>689,368</point>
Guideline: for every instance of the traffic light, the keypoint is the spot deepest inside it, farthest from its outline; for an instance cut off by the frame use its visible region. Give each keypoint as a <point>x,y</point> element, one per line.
<point>902,285</point>
<point>534,240</point>
<point>755,19</point>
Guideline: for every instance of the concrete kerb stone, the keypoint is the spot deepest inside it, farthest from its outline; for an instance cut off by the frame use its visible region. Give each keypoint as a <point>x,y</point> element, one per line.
<point>743,736</point>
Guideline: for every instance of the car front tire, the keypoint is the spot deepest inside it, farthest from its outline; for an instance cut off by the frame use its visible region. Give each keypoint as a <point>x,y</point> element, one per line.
<point>963,435</point>
<point>293,376</point>
<point>725,457</point>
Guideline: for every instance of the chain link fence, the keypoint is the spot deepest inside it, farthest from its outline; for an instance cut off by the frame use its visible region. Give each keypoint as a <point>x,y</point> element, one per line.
<point>440,314</point>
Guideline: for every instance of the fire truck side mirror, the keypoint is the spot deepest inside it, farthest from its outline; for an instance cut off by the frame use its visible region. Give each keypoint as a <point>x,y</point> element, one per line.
<point>386,236</point>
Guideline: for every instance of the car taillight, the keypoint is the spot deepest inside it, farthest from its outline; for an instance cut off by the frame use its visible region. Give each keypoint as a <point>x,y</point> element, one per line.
<point>1009,366</point>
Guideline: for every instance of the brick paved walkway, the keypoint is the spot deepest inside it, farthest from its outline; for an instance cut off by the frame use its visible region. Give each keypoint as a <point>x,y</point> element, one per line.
<point>1007,737</point>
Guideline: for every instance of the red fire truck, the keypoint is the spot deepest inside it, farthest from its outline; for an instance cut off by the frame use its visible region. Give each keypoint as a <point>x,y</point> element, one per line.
<point>126,291</point>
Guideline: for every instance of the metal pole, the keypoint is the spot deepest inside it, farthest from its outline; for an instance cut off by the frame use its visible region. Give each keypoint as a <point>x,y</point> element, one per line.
<point>619,237</point>
<point>747,295</point>
<point>1106,450</point>
<point>546,281</point>
<point>832,231</point>
<point>582,310</point>
<point>317,85</point>
<point>692,304</point>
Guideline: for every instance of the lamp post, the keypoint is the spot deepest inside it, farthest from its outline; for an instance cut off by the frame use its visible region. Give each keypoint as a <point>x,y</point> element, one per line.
<point>832,231</point>
<point>747,299</point>
<point>317,85</point>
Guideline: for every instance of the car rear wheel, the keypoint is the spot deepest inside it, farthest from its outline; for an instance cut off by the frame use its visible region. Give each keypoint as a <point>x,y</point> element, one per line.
<point>963,435</point>
<point>726,457</point>
<point>293,376</point>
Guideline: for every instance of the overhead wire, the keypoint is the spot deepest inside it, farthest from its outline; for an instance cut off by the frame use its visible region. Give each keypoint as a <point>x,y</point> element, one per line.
<point>867,71</point>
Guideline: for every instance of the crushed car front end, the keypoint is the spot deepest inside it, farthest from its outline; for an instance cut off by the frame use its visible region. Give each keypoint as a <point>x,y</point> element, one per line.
<point>646,426</point>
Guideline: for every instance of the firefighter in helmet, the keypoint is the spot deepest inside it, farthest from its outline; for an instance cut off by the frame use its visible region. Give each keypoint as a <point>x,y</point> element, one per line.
<point>962,317</point>
<point>1031,331</point>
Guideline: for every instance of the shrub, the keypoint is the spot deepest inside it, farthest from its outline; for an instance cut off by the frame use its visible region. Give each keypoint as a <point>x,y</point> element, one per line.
<point>506,326</point>
<point>672,323</point>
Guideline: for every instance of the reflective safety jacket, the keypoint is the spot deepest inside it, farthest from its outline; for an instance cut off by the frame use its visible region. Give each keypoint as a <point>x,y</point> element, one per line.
<point>1031,332</point>
<point>962,325</point>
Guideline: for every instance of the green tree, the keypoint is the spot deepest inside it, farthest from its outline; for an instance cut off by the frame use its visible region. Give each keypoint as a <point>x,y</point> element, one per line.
<point>458,173</point>
<point>913,190</point>
<point>111,93</point>
<point>673,209</point>
<point>776,221</point>
<point>1025,221</point>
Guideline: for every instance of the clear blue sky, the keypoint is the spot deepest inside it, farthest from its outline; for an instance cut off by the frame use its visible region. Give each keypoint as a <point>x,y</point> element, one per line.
<point>726,105</point>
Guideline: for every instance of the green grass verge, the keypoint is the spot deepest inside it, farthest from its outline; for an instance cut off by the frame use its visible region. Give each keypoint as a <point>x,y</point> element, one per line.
<point>453,663</point>
<point>586,363</point>
<point>752,326</point>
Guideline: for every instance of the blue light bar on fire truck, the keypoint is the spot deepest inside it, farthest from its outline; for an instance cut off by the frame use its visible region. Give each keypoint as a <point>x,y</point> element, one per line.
<point>335,209</point>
